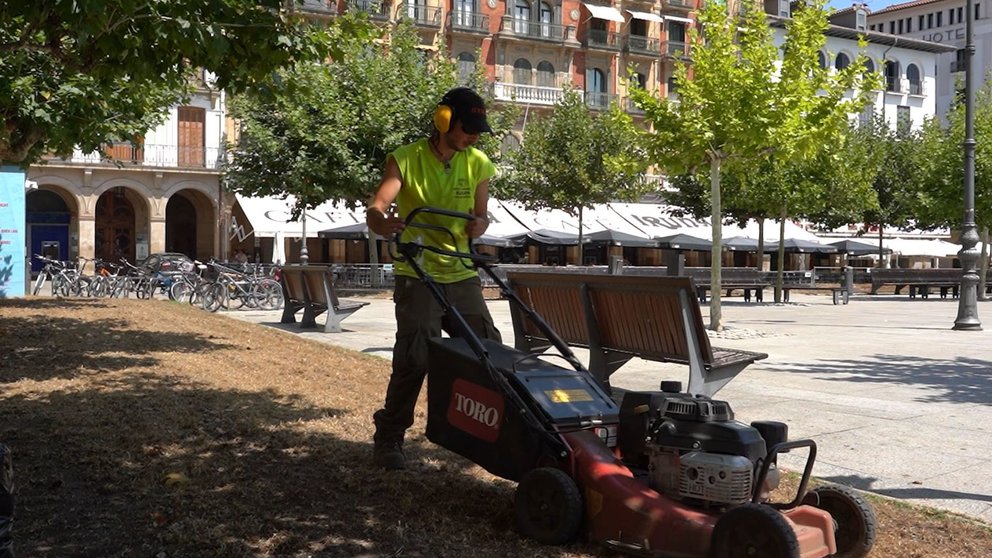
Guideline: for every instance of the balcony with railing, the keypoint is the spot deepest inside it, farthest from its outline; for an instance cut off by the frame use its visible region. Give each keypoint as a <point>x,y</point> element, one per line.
<point>421,14</point>
<point>377,9</point>
<point>958,66</point>
<point>915,88</point>
<point>527,94</point>
<point>128,155</point>
<point>631,107</point>
<point>599,101</point>
<point>680,5</point>
<point>893,85</point>
<point>675,49</point>
<point>523,28</point>
<point>468,22</point>
<point>599,38</point>
<point>639,44</point>
<point>317,7</point>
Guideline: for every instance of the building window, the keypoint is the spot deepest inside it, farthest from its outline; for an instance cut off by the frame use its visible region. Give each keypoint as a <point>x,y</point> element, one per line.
<point>921,21</point>
<point>914,79</point>
<point>842,61</point>
<point>822,60</point>
<point>929,21</point>
<point>869,66</point>
<point>892,76</point>
<point>545,74</point>
<point>960,15</point>
<point>521,16</point>
<point>900,27</point>
<point>861,20</point>
<point>547,18</point>
<point>940,19</point>
<point>950,16</point>
<point>909,25</point>
<point>522,72</point>
<point>676,31</point>
<point>892,28</point>
<point>466,67</point>
<point>904,122</point>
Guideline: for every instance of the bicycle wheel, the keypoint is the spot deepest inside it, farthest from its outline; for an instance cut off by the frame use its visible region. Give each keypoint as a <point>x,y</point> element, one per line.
<point>39,282</point>
<point>214,297</point>
<point>99,287</point>
<point>235,298</point>
<point>268,294</point>
<point>180,291</point>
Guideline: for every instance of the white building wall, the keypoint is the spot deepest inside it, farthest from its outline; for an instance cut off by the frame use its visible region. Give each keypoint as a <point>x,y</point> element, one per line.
<point>920,106</point>
<point>947,29</point>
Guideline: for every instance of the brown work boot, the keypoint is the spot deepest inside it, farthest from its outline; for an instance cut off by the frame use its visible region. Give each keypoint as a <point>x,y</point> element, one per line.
<point>389,456</point>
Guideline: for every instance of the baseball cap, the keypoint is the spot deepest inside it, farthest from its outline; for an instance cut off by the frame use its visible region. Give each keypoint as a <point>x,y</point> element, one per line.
<point>468,108</point>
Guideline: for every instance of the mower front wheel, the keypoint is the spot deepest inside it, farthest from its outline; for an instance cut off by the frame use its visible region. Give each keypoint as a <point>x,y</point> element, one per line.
<point>752,530</point>
<point>854,520</point>
<point>548,506</point>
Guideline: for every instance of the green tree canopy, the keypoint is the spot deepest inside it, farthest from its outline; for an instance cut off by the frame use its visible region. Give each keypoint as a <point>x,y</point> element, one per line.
<point>571,159</point>
<point>83,73</point>
<point>322,131</point>
<point>744,103</point>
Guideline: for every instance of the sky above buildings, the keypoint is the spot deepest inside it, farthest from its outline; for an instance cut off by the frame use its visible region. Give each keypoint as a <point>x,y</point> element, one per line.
<point>873,4</point>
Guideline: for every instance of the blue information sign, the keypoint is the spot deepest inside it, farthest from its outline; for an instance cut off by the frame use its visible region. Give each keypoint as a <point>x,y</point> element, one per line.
<point>12,231</point>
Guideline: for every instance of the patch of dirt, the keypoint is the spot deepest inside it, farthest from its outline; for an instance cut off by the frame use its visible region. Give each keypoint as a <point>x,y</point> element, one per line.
<point>149,428</point>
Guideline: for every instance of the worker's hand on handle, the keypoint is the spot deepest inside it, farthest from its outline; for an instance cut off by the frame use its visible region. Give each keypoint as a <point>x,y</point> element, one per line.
<point>384,225</point>
<point>476,227</point>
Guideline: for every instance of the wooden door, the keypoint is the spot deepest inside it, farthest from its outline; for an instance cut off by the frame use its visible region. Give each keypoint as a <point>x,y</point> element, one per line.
<point>192,136</point>
<point>114,227</point>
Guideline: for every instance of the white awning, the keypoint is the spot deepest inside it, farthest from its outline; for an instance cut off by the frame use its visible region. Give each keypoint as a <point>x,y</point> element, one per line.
<point>268,216</point>
<point>605,12</point>
<point>645,16</point>
<point>684,20</point>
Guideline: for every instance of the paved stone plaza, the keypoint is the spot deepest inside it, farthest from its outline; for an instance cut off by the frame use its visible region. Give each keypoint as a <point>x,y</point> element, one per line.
<point>898,403</point>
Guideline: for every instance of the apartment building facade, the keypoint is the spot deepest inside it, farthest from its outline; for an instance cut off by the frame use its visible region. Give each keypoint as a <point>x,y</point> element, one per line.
<point>941,22</point>
<point>164,191</point>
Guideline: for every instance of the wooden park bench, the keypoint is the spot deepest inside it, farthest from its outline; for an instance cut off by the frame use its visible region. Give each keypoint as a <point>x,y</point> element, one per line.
<point>918,281</point>
<point>311,288</point>
<point>744,279</point>
<point>807,281</point>
<point>619,317</point>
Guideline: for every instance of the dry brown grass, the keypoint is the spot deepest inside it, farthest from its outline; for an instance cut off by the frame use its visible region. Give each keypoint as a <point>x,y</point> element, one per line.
<point>154,429</point>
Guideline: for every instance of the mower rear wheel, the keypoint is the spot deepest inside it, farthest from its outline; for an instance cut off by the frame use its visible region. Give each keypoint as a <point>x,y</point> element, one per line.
<point>548,506</point>
<point>752,531</point>
<point>854,520</point>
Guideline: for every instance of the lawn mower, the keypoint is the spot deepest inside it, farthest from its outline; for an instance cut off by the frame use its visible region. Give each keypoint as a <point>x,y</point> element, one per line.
<point>662,474</point>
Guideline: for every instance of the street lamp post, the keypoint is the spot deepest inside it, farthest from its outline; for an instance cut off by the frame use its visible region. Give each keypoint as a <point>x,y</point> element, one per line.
<point>968,302</point>
<point>304,254</point>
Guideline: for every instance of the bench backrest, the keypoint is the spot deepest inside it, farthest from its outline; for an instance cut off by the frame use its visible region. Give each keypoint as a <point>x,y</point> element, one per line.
<point>926,274</point>
<point>641,315</point>
<point>292,282</point>
<point>739,275</point>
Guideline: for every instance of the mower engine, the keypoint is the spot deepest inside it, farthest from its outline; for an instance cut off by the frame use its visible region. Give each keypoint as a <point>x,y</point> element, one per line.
<point>692,450</point>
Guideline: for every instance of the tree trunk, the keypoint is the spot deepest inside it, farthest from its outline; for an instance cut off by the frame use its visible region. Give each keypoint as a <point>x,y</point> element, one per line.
<point>761,243</point>
<point>716,317</point>
<point>582,255</point>
<point>780,272</point>
<point>882,258</point>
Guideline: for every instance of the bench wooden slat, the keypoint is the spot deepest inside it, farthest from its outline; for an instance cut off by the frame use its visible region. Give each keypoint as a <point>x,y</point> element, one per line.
<point>619,317</point>
<point>311,288</point>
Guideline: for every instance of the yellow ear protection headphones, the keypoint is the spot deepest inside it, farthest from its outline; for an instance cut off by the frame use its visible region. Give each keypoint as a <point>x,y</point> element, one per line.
<point>444,114</point>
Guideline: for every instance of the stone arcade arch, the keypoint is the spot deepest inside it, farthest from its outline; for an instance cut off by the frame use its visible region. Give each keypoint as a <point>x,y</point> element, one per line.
<point>51,230</point>
<point>191,225</point>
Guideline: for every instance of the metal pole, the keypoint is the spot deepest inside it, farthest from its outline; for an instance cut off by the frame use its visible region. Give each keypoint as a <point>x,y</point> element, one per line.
<point>968,302</point>
<point>304,255</point>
